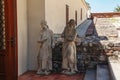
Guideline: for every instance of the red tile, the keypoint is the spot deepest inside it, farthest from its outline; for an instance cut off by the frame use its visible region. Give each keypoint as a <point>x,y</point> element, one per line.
<point>55,76</point>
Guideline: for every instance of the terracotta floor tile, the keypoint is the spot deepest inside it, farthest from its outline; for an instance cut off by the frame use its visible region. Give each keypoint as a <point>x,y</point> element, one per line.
<point>55,76</point>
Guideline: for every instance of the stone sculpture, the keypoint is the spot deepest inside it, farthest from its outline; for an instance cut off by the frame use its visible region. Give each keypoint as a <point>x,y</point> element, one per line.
<point>69,62</point>
<point>45,53</point>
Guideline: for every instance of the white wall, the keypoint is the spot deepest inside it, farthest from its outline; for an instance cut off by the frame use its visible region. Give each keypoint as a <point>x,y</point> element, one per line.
<point>55,13</point>
<point>22,36</point>
<point>85,11</point>
<point>36,13</point>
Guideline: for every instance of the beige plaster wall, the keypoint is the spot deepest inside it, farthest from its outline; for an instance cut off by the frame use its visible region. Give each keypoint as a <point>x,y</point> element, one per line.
<point>22,36</point>
<point>55,13</point>
<point>36,13</point>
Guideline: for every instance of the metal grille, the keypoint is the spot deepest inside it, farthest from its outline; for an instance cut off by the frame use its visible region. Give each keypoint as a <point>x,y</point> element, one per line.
<point>2,25</point>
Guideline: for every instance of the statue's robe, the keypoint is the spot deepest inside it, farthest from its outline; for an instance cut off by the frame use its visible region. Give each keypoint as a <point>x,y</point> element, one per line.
<point>45,52</point>
<point>69,49</point>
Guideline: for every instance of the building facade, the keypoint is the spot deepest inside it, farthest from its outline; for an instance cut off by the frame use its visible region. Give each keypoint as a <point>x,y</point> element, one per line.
<point>57,13</point>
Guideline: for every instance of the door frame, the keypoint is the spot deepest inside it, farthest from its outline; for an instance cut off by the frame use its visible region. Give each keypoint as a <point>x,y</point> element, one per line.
<point>12,56</point>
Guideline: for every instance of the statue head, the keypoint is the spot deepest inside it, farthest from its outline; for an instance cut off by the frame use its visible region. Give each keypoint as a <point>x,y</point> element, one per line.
<point>72,22</point>
<point>44,24</point>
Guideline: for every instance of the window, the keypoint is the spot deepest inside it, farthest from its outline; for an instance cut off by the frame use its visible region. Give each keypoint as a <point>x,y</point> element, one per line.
<point>67,14</point>
<point>81,14</point>
<point>76,17</point>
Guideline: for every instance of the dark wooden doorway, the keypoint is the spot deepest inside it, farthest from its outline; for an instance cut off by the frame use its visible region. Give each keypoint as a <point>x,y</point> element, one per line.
<point>8,40</point>
<point>67,14</point>
<point>81,14</point>
<point>76,17</point>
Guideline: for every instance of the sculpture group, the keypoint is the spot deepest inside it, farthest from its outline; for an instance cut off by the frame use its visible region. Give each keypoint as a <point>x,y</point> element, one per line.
<point>46,41</point>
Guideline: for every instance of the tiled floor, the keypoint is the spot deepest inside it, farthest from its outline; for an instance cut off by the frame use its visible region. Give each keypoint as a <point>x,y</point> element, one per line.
<point>55,76</point>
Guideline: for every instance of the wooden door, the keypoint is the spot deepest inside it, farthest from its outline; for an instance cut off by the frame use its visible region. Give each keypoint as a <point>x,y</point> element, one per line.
<point>81,14</point>
<point>76,17</point>
<point>67,14</point>
<point>8,40</point>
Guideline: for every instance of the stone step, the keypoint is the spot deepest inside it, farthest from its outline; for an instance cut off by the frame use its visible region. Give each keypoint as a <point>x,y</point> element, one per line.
<point>90,74</point>
<point>102,72</point>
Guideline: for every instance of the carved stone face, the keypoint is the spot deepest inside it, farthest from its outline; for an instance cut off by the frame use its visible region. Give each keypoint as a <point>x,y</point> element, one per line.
<point>44,24</point>
<point>72,22</point>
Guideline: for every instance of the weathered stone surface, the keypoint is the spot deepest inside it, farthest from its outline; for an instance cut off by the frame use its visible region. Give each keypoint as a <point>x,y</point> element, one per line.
<point>114,69</point>
<point>105,27</point>
<point>102,72</point>
<point>90,74</point>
